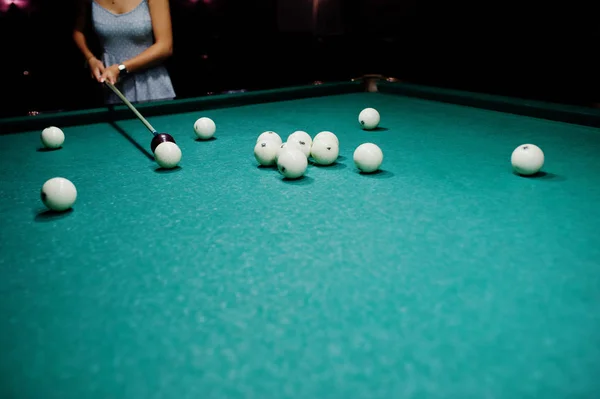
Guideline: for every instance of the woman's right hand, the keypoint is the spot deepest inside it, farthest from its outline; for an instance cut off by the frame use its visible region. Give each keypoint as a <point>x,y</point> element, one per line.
<point>96,68</point>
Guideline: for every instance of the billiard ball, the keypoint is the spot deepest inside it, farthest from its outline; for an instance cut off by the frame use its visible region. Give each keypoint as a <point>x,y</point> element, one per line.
<point>52,137</point>
<point>287,145</point>
<point>58,194</point>
<point>160,138</point>
<point>527,159</point>
<point>324,152</point>
<point>301,143</point>
<point>270,135</point>
<point>301,136</point>
<point>292,163</point>
<point>369,118</point>
<point>205,128</point>
<point>265,152</point>
<point>280,149</point>
<point>167,155</point>
<point>368,157</point>
<point>327,135</point>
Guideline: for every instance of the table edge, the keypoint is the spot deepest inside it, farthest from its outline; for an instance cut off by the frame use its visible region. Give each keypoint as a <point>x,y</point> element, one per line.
<point>156,108</point>
<point>573,114</point>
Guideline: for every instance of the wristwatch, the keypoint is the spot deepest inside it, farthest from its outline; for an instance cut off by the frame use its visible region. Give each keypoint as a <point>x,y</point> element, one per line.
<point>123,70</point>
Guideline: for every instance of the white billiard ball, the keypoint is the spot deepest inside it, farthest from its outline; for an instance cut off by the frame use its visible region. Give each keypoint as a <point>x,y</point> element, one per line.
<point>527,159</point>
<point>58,194</point>
<point>324,152</point>
<point>292,163</point>
<point>205,128</point>
<point>368,157</point>
<point>327,135</point>
<point>301,142</point>
<point>369,118</point>
<point>265,152</point>
<point>52,137</point>
<point>301,136</point>
<point>167,155</point>
<point>270,135</point>
<point>280,149</point>
<point>285,145</point>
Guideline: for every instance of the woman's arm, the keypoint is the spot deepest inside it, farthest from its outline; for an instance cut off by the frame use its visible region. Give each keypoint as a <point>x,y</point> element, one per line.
<point>159,51</point>
<point>163,36</point>
<point>78,34</point>
<point>96,66</point>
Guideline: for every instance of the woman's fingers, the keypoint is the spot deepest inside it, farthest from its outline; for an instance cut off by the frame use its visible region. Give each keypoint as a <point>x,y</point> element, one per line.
<point>103,76</point>
<point>97,73</point>
<point>101,71</point>
<point>97,69</point>
<point>107,75</point>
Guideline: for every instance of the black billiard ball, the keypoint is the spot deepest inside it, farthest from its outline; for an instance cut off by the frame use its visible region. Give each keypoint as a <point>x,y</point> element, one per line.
<point>160,138</point>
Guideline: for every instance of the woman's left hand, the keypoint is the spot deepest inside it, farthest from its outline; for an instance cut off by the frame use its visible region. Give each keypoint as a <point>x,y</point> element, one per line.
<point>111,74</point>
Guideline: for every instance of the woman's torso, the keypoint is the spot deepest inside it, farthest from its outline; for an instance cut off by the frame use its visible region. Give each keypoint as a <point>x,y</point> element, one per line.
<point>124,35</point>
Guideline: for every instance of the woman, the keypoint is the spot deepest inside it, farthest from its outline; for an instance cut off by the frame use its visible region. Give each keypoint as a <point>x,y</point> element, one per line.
<point>136,38</point>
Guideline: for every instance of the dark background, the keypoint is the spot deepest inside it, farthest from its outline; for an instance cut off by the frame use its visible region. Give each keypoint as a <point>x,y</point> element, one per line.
<point>544,51</point>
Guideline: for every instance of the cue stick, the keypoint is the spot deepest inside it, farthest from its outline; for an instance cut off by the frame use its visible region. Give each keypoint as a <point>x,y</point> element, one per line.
<point>131,107</point>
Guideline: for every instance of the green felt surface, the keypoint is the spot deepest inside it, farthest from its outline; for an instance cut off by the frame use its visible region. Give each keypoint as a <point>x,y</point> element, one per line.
<point>444,276</point>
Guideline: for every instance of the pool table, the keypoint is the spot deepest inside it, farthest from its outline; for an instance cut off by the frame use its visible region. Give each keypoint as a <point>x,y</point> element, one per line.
<point>443,275</point>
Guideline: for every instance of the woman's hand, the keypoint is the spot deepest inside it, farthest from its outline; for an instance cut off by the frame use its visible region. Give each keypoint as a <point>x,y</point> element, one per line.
<point>111,74</point>
<point>96,68</point>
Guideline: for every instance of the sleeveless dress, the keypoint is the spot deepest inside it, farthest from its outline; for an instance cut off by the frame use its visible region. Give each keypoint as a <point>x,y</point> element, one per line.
<point>124,36</point>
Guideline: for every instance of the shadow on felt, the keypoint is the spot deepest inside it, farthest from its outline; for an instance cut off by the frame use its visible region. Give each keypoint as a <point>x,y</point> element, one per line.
<point>541,175</point>
<point>132,141</point>
<point>47,215</point>
<point>333,166</point>
<point>301,181</point>
<point>165,170</point>
<point>378,174</point>
<point>266,168</point>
